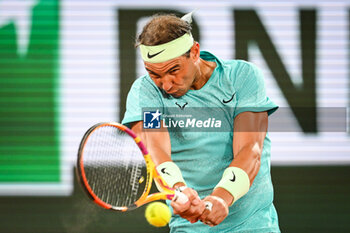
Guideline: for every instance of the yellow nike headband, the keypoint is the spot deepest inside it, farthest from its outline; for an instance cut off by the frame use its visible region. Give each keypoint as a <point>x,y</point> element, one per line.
<point>167,51</point>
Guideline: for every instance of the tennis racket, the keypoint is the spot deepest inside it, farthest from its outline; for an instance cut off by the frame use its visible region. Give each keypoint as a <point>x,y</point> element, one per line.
<point>116,170</point>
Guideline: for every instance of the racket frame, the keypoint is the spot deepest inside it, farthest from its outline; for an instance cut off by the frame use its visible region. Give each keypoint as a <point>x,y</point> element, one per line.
<point>167,193</point>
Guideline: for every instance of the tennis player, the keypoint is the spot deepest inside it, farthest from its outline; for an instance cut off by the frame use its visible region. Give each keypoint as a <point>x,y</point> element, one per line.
<point>226,174</point>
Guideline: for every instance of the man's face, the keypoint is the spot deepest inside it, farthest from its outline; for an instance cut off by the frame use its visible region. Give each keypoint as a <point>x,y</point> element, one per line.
<point>175,76</point>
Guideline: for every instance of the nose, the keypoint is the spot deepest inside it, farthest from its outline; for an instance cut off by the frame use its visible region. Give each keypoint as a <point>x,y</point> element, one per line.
<point>167,83</point>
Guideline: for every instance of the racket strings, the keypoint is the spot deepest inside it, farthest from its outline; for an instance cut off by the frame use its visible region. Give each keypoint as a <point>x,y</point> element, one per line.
<point>113,166</point>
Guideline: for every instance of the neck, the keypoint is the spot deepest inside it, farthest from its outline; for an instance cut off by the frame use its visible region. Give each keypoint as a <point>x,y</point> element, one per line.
<point>204,72</point>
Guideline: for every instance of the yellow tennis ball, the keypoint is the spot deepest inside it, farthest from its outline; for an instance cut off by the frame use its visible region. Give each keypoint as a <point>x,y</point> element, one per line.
<point>158,214</point>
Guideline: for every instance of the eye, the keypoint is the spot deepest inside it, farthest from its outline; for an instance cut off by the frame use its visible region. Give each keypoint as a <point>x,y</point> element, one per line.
<point>174,71</point>
<point>153,75</point>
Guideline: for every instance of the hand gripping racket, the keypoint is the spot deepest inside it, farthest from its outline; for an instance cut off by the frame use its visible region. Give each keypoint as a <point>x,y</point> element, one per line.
<point>116,171</point>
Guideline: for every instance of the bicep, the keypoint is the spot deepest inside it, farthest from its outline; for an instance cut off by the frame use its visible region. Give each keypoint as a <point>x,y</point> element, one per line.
<point>249,128</point>
<point>156,141</point>
<point>248,139</point>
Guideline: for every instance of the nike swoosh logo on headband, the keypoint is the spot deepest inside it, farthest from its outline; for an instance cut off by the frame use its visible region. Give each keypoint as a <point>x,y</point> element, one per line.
<point>153,55</point>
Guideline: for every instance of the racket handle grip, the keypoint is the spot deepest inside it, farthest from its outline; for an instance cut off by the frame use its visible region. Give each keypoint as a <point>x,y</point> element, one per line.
<point>180,197</point>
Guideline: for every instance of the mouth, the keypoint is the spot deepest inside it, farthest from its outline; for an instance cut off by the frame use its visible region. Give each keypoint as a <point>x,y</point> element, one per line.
<point>172,92</point>
<point>175,94</point>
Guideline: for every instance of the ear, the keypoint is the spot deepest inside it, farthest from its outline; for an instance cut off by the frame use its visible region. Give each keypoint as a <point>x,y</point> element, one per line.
<point>195,51</point>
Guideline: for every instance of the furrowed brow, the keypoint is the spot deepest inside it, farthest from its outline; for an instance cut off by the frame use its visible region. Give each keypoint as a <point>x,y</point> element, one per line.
<point>150,71</point>
<point>175,66</point>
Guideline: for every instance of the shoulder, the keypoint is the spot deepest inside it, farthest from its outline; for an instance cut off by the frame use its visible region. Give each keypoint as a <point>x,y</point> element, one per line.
<point>145,89</point>
<point>244,71</point>
<point>234,69</point>
<point>144,85</point>
<point>240,67</point>
<point>226,65</point>
<point>142,81</point>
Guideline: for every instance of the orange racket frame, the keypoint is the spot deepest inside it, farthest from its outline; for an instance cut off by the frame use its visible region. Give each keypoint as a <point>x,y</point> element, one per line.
<point>167,192</point>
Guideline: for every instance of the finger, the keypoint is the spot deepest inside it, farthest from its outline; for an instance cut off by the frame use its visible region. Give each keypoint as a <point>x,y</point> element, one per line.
<point>179,207</point>
<point>211,220</point>
<point>194,212</point>
<point>197,212</point>
<point>193,208</point>
<point>209,223</point>
<point>180,197</point>
<point>219,220</point>
<point>213,217</point>
<point>219,210</point>
<point>208,208</point>
<point>196,200</point>
<point>188,211</point>
<point>204,215</point>
<point>192,196</point>
<point>216,216</point>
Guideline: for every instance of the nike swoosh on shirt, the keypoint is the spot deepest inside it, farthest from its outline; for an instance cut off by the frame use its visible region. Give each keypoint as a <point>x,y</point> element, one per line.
<point>153,55</point>
<point>227,101</point>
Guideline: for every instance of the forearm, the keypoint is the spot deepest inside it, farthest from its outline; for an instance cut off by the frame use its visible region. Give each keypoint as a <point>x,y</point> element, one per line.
<point>156,142</point>
<point>249,135</point>
<point>158,154</point>
<point>248,159</point>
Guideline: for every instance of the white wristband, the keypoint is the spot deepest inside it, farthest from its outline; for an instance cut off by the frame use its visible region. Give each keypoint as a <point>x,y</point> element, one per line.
<point>219,199</point>
<point>236,181</point>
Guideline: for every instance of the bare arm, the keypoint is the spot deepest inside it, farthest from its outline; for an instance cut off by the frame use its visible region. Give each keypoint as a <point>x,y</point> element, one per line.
<point>157,141</point>
<point>248,139</point>
<point>249,134</point>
